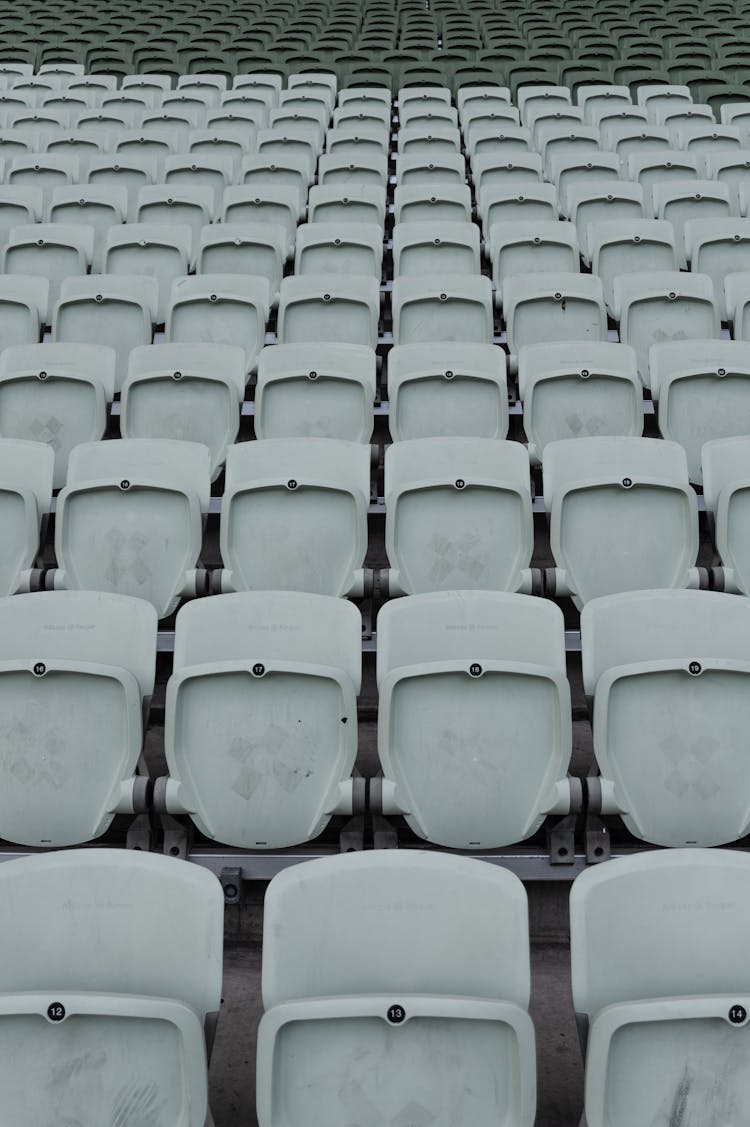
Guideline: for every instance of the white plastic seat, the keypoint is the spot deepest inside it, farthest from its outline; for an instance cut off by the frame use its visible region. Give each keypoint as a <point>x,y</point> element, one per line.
<point>45,171</point>
<point>657,98</point>
<point>424,95</point>
<point>447,389</point>
<point>51,251</point>
<point>523,203</point>
<point>578,389</point>
<point>628,137</point>
<point>226,137</point>
<point>271,172</point>
<point>551,120</point>
<point>26,470</point>
<point>540,308</point>
<point>656,307</point>
<point>82,145</point>
<point>627,246</point>
<point>726,488</point>
<point>134,988</point>
<point>130,519</point>
<point>56,394</point>
<point>424,248</point>
<point>413,115</point>
<point>707,137</point>
<point>678,119</point>
<point>315,391</point>
<point>567,171</point>
<point>379,1026</point>
<point>489,172</point>
<point>593,203</point>
<point>327,309</point>
<point>449,307</point>
<point>653,168</point>
<point>182,205</point>
<point>367,115</point>
<point>266,85</point>
<point>293,145</point>
<point>501,142</point>
<point>737,297</point>
<point>104,125</point>
<point>209,86</point>
<point>729,168</point>
<point>357,142</point>
<point>129,105</point>
<point>534,97</point>
<point>120,309</point>
<point>447,168</point>
<point>477,120</point>
<point>240,661</point>
<point>428,203</point>
<point>570,141</point>
<point>717,247</point>
<point>99,207</point>
<point>220,309</point>
<point>474,730</point>
<point>162,251</point>
<point>679,203</point>
<point>418,141</point>
<point>123,172</point>
<point>532,247</point>
<point>243,248</point>
<point>668,673</point>
<point>595,99</point>
<point>469,98</point>
<point>458,515</point>
<point>270,204</point>
<point>197,170</point>
<point>623,516</point>
<point>189,392</point>
<point>19,206</point>
<point>294,516</point>
<point>76,670</point>
<point>348,171</point>
<point>345,248</point>
<point>332,204</point>
<point>23,305</point>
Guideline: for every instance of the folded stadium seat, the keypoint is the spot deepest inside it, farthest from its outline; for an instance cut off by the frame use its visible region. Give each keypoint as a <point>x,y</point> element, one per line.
<point>678,202</point>
<point>123,172</point>
<point>315,391</point>
<point>424,95</point>
<point>726,472</point>
<point>590,203</point>
<point>235,124</point>
<point>294,516</point>
<point>129,105</point>
<point>424,248</point>
<point>431,142</point>
<point>677,1004</point>
<point>490,172</point>
<point>308,121</point>
<point>10,105</point>
<point>243,248</point>
<point>607,497</point>
<point>92,87</point>
<point>189,392</point>
<point>472,96</point>
<point>533,97</point>
<point>267,84</point>
<point>13,143</point>
<point>529,247</point>
<point>446,307</point>
<point>103,125</point>
<point>349,172</point>
<point>162,251</point>
<point>717,247</point>
<point>578,390</point>
<point>401,1016</point>
<point>197,170</point>
<point>192,105</point>
<point>708,138</point>
<point>278,205</point>
<point>657,307</point>
<point>552,307</point>
<point>339,248</point>
<point>473,669</point>
<point>43,171</point>
<point>98,207</point>
<point>38,125</point>
<point>115,991</point>
<point>503,141</point>
<point>364,96</point>
<point>358,143</point>
<point>566,171</point>
<point>281,781</point>
<point>434,203</point>
<point>458,516</point>
<point>158,143</point>
<point>81,144</point>
<point>551,120</point>
<point>51,251</point>
<point>64,106</point>
<point>729,169</point>
<point>336,204</point>
<point>56,394</point>
<point>220,309</point>
<point>26,470</point>
<point>495,115</point>
<point>656,98</point>
<point>152,87</point>
<point>677,119</point>
<point>295,145</point>
<point>655,167</point>
<point>627,246</point>
<point>447,389</point>
<point>130,520</point>
<point>369,114</point>
<point>77,667</point>
<point>120,310</point>
<point>315,83</point>
<point>180,204</point>
<point>414,115</point>
<point>598,99</point>
<point>622,131</point>
<point>570,141</point>
<point>209,86</point>
<point>327,309</point>
<point>23,305</point>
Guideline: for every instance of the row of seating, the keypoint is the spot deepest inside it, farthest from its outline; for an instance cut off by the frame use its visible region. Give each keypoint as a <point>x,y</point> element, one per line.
<point>398,982</point>
<point>294,517</point>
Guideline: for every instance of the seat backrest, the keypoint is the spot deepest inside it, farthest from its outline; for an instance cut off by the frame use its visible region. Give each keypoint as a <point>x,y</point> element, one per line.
<point>319,308</point>
<point>452,307</point>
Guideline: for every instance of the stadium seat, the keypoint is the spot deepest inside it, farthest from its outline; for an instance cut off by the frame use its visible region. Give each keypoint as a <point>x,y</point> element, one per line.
<point>566,171</point>
<point>656,167</point>
<point>660,983</point>
<point>77,669</point>
<point>189,392</point>
<point>717,247</point>
<point>424,248</point>
<point>447,389</point>
<point>552,307</point>
<point>52,251</point>
<point>458,516</point>
<point>161,251</point>
<point>125,976</point>
<point>327,309</point>
<point>622,514</point>
<point>268,204</point>
<point>43,171</point>
<point>120,309</point>
<point>578,389</point>
<point>472,685</point>
<point>315,391</point>
<point>26,470</point>
<point>531,247</point>
<point>366,1018</point>
<point>489,172</point>
<point>679,202</point>
<point>294,516</point>
<point>449,307</point>
<point>339,248</point>
<point>220,309</point>
<point>627,246</point>
<point>56,394</point>
<point>726,472</point>
<point>525,203</point>
<point>657,307</point>
<point>284,668</point>
<point>97,206</point>
<point>198,170</point>
<point>730,169</point>
<point>183,206</point>
<point>349,172</point>
<point>666,673</point>
<point>592,203</point>
<point>426,202</point>
<point>123,172</point>
<point>130,519</point>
